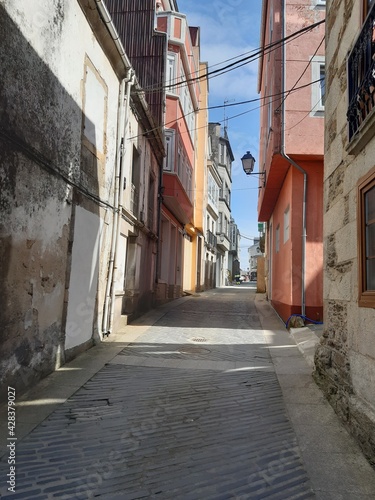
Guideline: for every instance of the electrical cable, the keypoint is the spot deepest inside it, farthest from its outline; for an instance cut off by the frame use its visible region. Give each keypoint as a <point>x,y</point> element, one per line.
<point>230,67</point>
<point>305,116</point>
<point>47,165</point>
<point>301,75</point>
<point>278,95</point>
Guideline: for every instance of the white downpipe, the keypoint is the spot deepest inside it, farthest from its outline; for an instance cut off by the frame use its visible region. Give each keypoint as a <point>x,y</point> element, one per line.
<point>130,80</point>
<point>298,167</point>
<point>119,175</point>
<point>129,85</point>
<point>120,121</point>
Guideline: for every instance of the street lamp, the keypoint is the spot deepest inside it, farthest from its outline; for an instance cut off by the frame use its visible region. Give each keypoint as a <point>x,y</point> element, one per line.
<point>248,162</point>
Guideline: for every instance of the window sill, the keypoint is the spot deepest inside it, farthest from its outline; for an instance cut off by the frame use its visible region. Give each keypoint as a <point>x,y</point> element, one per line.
<point>367,299</point>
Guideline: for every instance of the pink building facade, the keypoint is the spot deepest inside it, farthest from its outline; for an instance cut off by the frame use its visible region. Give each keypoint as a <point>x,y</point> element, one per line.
<point>181,97</point>
<point>291,83</point>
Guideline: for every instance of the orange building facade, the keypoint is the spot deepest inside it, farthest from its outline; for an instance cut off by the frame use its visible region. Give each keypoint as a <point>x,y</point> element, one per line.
<point>182,95</point>
<point>291,83</point>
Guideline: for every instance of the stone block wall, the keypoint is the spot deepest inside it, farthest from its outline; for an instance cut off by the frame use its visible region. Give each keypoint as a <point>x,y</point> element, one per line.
<point>345,357</point>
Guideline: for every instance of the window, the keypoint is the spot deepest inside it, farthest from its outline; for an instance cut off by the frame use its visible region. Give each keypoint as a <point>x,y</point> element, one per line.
<point>179,161</point>
<point>213,190</point>
<point>222,154</point>
<point>286,225</point>
<point>220,223</point>
<point>169,149</point>
<point>318,88</point>
<point>366,238</point>
<point>171,72</point>
<point>277,238</point>
<point>136,176</point>
<point>209,147</point>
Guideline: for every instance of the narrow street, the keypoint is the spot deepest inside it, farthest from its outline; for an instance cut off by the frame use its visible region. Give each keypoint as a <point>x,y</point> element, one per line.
<point>210,400</point>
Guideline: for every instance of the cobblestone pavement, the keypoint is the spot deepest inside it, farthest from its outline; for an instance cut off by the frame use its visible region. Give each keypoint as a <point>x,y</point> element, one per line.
<point>191,410</point>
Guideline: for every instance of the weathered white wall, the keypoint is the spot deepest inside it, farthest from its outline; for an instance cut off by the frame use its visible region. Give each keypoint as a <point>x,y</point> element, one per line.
<point>48,257</point>
<point>83,284</point>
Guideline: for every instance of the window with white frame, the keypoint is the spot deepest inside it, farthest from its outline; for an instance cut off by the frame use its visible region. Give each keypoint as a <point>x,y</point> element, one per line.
<point>213,190</point>
<point>209,147</point>
<point>286,224</point>
<point>318,86</point>
<point>220,223</point>
<point>222,153</point>
<point>171,72</point>
<point>169,149</point>
<point>179,161</point>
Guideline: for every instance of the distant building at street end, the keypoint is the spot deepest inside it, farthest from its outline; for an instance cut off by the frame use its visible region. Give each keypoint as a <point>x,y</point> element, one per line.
<point>254,252</point>
<point>222,157</point>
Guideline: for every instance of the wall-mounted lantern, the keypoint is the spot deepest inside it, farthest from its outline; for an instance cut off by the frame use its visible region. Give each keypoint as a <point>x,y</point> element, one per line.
<point>248,162</point>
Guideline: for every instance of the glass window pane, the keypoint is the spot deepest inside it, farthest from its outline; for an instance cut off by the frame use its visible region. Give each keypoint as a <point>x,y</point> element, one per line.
<point>370,241</point>
<point>370,205</point>
<point>370,274</point>
<point>322,84</point>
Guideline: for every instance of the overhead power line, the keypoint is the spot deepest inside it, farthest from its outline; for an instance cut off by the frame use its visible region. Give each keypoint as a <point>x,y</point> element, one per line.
<point>276,96</point>
<point>237,64</point>
<point>301,75</point>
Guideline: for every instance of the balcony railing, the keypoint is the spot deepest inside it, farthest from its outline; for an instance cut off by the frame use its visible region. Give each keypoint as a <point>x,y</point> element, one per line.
<point>211,239</point>
<point>361,75</point>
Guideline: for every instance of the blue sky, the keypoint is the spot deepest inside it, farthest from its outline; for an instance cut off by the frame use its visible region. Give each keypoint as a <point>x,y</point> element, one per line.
<point>228,29</point>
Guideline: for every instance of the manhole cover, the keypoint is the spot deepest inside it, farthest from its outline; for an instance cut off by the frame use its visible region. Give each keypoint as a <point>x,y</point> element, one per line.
<point>192,349</point>
<point>198,339</point>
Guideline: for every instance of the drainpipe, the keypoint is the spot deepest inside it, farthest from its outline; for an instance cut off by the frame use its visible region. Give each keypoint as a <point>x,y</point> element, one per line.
<point>120,178</point>
<point>298,167</point>
<point>123,115</point>
<point>160,186</point>
<point>116,210</point>
<point>130,81</point>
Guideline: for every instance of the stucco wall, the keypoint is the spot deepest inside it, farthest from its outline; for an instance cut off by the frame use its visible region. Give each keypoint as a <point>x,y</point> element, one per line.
<point>49,183</point>
<point>287,261</point>
<point>304,126</point>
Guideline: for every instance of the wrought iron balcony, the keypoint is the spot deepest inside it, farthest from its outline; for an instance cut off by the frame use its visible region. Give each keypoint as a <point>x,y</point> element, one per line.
<point>211,239</point>
<point>361,75</point>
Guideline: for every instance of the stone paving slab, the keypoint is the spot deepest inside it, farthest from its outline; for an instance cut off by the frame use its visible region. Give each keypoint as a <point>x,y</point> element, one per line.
<point>206,398</point>
<point>173,433</point>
